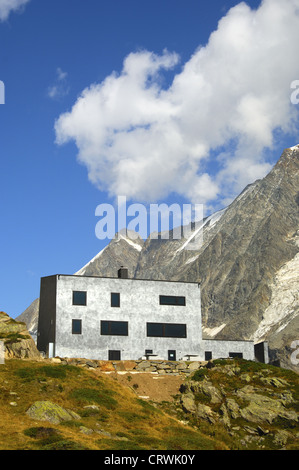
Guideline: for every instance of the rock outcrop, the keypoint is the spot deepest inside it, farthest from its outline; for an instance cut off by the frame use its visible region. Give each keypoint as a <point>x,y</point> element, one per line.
<point>51,412</point>
<point>261,403</point>
<point>17,341</point>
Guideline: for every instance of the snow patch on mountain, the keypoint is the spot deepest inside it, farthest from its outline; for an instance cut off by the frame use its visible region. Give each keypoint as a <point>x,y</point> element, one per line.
<point>296,147</point>
<point>130,242</point>
<point>208,222</point>
<point>284,304</point>
<point>211,332</point>
<point>190,260</point>
<point>82,271</point>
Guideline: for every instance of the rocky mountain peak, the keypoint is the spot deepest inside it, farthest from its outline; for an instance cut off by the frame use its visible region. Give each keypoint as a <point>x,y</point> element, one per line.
<point>247,250</point>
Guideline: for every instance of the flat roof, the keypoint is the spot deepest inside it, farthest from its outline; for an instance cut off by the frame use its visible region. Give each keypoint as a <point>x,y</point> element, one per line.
<point>121,278</point>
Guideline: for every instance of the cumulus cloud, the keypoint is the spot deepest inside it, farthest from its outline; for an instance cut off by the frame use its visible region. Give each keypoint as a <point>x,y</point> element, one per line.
<point>203,135</point>
<point>7,6</point>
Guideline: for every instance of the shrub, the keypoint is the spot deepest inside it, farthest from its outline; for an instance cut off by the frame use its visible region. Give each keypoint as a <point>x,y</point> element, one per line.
<point>40,432</point>
<point>200,374</point>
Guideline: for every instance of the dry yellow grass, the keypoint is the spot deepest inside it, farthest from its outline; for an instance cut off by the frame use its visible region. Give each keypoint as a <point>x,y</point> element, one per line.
<point>128,422</point>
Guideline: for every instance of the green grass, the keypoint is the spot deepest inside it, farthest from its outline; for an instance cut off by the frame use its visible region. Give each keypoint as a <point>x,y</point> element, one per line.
<point>94,396</point>
<point>120,413</point>
<point>200,374</point>
<point>51,439</point>
<point>38,373</point>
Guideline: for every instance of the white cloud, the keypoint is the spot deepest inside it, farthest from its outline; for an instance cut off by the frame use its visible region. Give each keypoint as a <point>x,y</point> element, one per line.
<point>60,88</point>
<point>144,141</point>
<point>7,6</point>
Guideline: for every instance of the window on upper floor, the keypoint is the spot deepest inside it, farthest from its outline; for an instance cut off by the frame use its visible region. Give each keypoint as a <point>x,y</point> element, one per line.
<point>166,330</point>
<point>79,297</point>
<point>115,299</point>
<point>76,327</point>
<point>172,300</point>
<point>114,328</point>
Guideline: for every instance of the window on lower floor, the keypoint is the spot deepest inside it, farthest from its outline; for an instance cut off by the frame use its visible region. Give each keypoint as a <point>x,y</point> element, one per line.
<point>79,297</point>
<point>235,354</point>
<point>114,328</point>
<point>113,355</point>
<point>166,330</point>
<point>76,327</point>
<point>208,355</point>
<point>172,300</point>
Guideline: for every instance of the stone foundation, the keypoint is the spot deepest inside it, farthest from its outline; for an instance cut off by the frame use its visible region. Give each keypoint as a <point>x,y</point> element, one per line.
<point>142,366</point>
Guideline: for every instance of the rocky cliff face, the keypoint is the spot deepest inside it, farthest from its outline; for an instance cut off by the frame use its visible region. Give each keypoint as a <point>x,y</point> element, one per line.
<point>247,264</point>
<point>17,340</point>
<point>123,250</point>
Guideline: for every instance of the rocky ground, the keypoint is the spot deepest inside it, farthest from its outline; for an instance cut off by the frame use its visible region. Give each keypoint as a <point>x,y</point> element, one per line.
<point>256,403</point>
<point>233,404</point>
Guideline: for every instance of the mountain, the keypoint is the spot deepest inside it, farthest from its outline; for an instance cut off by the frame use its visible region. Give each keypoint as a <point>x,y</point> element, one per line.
<point>122,250</point>
<point>30,317</point>
<point>247,263</point>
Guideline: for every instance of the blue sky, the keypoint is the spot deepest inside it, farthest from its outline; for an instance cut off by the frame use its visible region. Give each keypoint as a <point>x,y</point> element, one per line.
<point>161,101</point>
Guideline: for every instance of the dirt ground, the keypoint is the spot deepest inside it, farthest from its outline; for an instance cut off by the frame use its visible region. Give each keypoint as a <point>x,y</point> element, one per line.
<point>150,386</point>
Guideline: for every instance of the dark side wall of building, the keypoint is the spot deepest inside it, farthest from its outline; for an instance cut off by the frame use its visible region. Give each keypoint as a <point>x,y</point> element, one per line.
<point>47,313</point>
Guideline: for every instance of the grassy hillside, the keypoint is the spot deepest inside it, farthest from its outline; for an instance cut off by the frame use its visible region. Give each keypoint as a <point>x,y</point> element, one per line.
<point>233,405</point>
<point>111,415</point>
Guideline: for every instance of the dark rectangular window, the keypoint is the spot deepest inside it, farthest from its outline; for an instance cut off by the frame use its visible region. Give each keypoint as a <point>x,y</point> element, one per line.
<point>154,329</point>
<point>235,354</point>
<point>172,300</point>
<point>174,330</point>
<point>79,297</point>
<point>167,330</point>
<point>113,355</point>
<point>208,355</point>
<point>76,327</point>
<point>114,328</point>
<point>115,299</point>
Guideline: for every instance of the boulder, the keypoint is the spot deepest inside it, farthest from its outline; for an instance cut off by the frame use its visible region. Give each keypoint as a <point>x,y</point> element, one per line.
<point>233,408</point>
<point>207,389</point>
<point>204,412</point>
<point>48,411</point>
<point>262,408</point>
<point>188,403</point>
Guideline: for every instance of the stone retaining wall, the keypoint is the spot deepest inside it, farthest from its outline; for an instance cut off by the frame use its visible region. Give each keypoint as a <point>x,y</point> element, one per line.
<point>156,367</point>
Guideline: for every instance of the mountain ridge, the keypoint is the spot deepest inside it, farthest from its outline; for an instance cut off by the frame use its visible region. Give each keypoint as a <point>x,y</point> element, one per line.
<point>245,245</point>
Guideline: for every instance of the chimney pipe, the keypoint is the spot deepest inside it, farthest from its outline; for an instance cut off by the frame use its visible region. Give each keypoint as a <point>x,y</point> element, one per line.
<point>123,273</point>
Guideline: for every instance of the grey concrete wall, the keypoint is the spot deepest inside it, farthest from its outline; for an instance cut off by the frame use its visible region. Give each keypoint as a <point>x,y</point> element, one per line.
<point>139,304</point>
<point>222,349</point>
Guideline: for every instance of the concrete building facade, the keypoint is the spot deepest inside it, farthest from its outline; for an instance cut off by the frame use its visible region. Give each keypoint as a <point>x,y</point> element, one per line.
<point>125,319</point>
<point>118,318</point>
